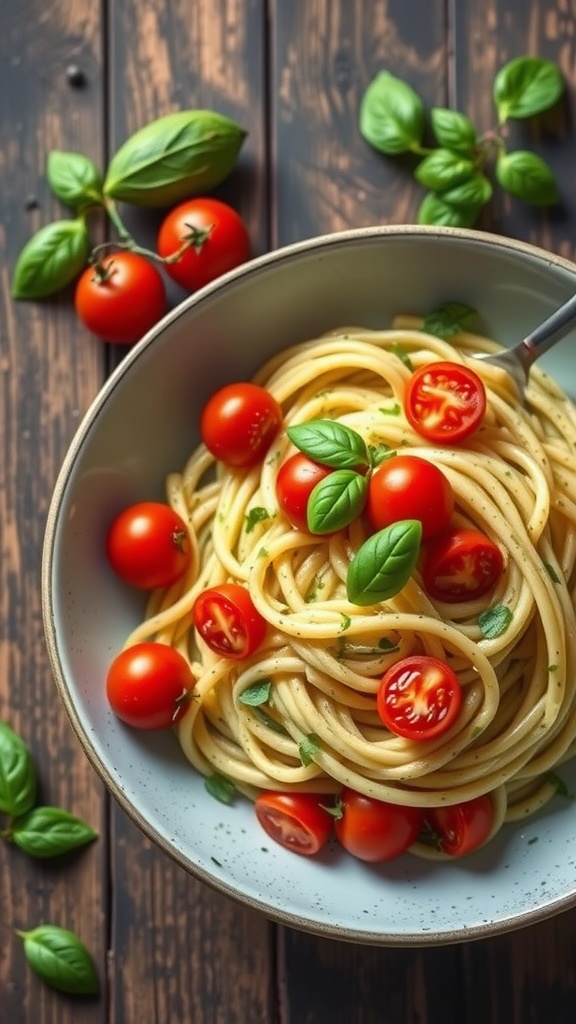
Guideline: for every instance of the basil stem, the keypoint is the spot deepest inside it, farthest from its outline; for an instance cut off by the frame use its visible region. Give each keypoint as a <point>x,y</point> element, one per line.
<point>384,563</point>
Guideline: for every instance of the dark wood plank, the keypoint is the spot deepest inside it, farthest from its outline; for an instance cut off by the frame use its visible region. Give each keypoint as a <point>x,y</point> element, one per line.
<point>181,951</point>
<point>50,372</point>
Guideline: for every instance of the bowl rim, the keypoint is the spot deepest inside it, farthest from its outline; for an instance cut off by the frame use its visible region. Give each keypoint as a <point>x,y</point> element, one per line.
<point>484,239</point>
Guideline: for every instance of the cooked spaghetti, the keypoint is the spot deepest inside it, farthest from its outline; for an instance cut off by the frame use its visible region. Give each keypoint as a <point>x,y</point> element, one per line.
<point>323,656</point>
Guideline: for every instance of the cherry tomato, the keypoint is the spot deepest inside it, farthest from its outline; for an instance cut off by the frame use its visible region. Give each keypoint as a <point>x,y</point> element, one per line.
<point>445,401</point>
<point>408,487</point>
<point>460,829</point>
<point>461,564</point>
<point>121,298</point>
<point>148,545</point>
<point>239,423</point>
<point>419,697</point>
<point>148,685</point>
<point>295,820</point>
<point>218,236</point>
<point>228,622</point>
<point>297,478</point>
<point>374,830</point>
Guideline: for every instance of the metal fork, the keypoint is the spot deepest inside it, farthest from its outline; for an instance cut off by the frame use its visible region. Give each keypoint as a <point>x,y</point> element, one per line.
<point>518,359</point>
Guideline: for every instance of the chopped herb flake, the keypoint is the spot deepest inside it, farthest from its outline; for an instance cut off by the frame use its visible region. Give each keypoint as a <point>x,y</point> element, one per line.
<point>256,515</point>
<point>220,788</point>
<point>494,621</point>
<point>258,693</point>
<point>308,748</point>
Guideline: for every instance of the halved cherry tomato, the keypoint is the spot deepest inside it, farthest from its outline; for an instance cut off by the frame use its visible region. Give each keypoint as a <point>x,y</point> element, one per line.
<point>374,830</point>
<point>148,545</point>
<point>445,401</point>
<point>462,828</point>
<point>409,487</point>
<point>295,820</point>
<point>228,622</point>
<point>239,423</point>
<point>148,685</point>
<point>461,564</point>
<point>419,697</point>
<point>297,478</point>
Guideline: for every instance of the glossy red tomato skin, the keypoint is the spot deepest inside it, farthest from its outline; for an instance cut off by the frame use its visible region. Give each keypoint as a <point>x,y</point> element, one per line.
<point>462,828</point>
<point>124,305</point>
<point>376,831</point>
<point>409,487</point>
<point>461,565</point>
<point>297,478</point>
<point>148,545</point>
<point>445,402</point>
<point>146,685</point>
<point>419,697</point>
<point>239,423</point>
<point>297,821</point>
<point>228,621</point>
<point>225,245</point>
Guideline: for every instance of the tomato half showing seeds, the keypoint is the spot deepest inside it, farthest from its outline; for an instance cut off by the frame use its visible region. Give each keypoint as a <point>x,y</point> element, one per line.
<point>295,820</point>
<point>445,402</point>
<point>460,565</point>
<point>239,423</point>
<point>148,545</point>
<point>148,685</point>
<point>374,830</point>
<point>419,697</point>
<point>409,487</point>
<point>297,478</point>
<point>228,622</point>
<point>460,829</point>
<point>218,238</point>
<point>122,298</point>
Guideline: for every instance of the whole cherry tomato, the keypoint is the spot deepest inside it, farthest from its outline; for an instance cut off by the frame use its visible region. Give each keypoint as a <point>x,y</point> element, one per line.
<point>461,564</point>
<point>295,820</point>
<point>297,478</point>
<point>445,402</point>
<point>409,487</point>
<point>148,545</point>
<point>120,298</point>
<point>374,830</point>
<point>461,828</point>
<point>148,685</point>
<point>419,697</point>
<point>239,423</point>
<point>227,620</point>
<point>210,237</point>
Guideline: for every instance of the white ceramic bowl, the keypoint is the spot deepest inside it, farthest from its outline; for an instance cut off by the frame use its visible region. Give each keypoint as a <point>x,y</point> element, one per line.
<point>143,424</point>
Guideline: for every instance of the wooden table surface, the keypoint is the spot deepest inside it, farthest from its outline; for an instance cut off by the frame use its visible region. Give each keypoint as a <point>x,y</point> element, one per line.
<point>167,947</point>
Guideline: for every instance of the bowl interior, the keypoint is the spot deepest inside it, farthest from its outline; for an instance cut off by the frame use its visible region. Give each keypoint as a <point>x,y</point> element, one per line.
<point>143,424</point>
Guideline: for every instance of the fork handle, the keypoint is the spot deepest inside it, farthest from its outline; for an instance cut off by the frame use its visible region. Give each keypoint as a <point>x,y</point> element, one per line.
<point>548,333</point>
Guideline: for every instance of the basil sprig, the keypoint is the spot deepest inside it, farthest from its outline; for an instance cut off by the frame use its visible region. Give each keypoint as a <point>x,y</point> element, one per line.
<point>61,959</point>
<point>383,565</point>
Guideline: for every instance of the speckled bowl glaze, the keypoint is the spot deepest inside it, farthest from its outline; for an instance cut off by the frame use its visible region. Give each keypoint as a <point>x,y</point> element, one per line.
<point>144,424</point>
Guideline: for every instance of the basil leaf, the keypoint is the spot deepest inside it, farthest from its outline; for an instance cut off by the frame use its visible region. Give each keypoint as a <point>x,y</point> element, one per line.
<point>51,259</point>
<point>448,320</point>
<point>176,156</point>
<point>257,694</point>
<point>526,86</point>
<point>49,832</point>
<point>494,621</point>
<point>254,516</point>
<point>18,776</point>
<point>308,748</point>
<point>391,115</point>
<point>384,563</point>
<point>527,176</point>
<point>220,788</point>
<point>470,195</point>
<point>433,210</point>
<point>61,959</point>
<point>336,500</point>
<point>453,130</point>
<point>330,443</point>
<point>443,169</point>
<point>74,179</point>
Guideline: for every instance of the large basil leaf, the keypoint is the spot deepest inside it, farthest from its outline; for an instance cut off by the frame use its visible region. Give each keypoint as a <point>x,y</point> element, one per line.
<point>384,563</point>
<point>336,500</point>
<point>61,959</point>
<point>330,443</point>
<point>391,115</point>
<point>527,86</point>
<point>50,831</point>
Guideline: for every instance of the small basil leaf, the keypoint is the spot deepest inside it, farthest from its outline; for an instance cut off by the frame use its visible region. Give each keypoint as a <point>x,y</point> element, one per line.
<point>453,130</point>
<point>61,959</point>
<point>220,788</point>
<point>494,621</point>
<point>52,258</point>
<point>384,563</point>
<point>256,515</point>
<point>179,155</point>
<point>527,176</point>
<point>526,86</point>
<point>336,500</point>
<point>391,115</point>
<point>49,832</point>
<point>308,748</point>
<point>449,320</point>
<point>18,776</point>
<point>330,443</point>
<point>257,694</point>
<point>433,210</point>
<point>443,169</point>
<point>469,195</point>
<point>74,178</point>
